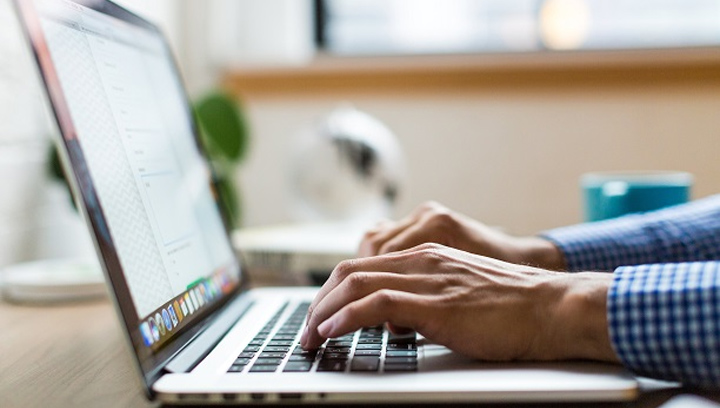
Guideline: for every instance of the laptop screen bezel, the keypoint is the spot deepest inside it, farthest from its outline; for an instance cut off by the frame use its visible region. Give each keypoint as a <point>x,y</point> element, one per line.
<point>149,363</point>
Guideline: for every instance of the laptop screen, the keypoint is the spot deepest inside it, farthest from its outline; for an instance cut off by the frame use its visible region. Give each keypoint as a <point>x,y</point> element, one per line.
<point>144,182</point>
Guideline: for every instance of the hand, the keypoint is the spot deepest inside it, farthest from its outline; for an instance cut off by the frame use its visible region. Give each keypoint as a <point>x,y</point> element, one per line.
<point>433,223</point>
<point>477,306</point>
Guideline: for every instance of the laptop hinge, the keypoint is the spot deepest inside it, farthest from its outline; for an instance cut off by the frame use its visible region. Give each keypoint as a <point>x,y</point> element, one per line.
<point>203,344</point>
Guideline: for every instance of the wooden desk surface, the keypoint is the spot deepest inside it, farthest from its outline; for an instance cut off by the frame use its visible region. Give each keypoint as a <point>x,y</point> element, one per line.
<point>73,356</point>
<point>63,356</point>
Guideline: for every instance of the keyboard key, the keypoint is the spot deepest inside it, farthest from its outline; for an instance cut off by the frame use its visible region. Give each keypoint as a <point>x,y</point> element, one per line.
<point>280,343</point>
<point>335,356</point>
<point>338,350</point>
<point>367,353</point>
<point>272,354</point>
<point>402,346</point>
<point>370,341</point>
<point>263,369</point>
<point>347,337</point>
<point>370,336</point>
<point>241,361</point>
<point>297,366</point>
<point>333,343</point>
<point>236,368</point>
<point>300,350</point>
<point>369,347</point>
<point>246,354</point>
<point>252,349</point>
<point>335,366</point>
<point>284,349</point>
<point>269,361</point>
<point>365,364</point>
<point>400,367</point>
<point>400,360</point>
<point>401,353</point>
<point>256,342</point>
<point>298,357</point>
<point>284,337</point>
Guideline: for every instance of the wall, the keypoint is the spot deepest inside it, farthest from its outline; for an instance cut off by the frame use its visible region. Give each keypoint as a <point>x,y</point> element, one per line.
<point>510,155</point>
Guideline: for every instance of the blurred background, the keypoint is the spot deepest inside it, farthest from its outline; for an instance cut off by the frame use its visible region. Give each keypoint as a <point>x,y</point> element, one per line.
<point>498,105</point>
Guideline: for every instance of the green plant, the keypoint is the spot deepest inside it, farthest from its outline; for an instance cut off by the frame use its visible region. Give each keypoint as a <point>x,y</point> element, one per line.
<point>225,137</point>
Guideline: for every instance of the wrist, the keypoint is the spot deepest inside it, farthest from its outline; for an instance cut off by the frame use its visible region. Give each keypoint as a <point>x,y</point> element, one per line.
<point>578,322</point>
<point>540,252</point>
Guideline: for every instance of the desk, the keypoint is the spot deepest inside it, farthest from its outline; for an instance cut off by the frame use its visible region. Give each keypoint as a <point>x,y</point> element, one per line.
<point>74,356</point>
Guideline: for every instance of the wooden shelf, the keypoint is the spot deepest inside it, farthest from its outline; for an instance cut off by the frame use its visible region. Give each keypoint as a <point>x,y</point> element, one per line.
<point>466,72</point>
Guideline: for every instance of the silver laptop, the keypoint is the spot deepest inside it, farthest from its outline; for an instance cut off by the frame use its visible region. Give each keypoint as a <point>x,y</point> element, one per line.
<point>197,333</point>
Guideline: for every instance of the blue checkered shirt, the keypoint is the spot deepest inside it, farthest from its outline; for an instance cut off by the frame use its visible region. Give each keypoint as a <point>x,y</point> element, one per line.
<point>664,303</point>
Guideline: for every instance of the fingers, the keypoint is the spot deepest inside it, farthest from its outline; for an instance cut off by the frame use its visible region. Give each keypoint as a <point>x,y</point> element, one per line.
<point>356,287</point>
<point>414,260</point>
<point>412,236</point>
<point>386,231</point>
<point>430,222</point>
<point>375,238</point>
<point>400,309</point>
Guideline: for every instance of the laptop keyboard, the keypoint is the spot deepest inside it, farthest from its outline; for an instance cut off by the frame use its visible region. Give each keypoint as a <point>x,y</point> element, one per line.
<point>373,349</point>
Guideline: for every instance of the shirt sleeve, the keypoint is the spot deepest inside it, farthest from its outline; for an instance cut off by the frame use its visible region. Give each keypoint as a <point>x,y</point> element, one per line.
<point>685,233</point>
<point>664,321</point>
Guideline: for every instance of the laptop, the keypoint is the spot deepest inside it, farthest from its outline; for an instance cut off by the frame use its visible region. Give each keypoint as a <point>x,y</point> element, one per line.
<point>197,333</point>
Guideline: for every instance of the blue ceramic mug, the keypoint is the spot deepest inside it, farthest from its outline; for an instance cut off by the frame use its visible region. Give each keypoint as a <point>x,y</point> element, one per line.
<point>613,194</point>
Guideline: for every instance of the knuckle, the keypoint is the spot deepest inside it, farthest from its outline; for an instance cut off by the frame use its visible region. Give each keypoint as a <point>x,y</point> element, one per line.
<point>431,253</point>
<point>443,220</point>
<point>431,206</point>
<point>314,319</point>
<point>426,252</point>
<point>345,268</point>
<point>429,249</point>
<point>371,235</point>
<point>357,281</point>
<point>385,299</point>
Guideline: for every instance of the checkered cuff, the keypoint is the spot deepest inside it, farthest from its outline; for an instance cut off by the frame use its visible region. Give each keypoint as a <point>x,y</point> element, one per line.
<point>664,321</point>
<point>683,233</point>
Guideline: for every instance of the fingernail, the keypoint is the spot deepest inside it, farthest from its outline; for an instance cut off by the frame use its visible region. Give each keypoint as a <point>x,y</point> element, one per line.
<point>303,337</point>
<point>325,328</point>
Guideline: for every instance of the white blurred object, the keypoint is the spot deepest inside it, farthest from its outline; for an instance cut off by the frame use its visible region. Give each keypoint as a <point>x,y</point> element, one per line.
<point>58,229</point>
<point>297,254</point>
<point>22,168</point>
<point>268,32</point>
<point>55,280</point>
<point>689,401</point>
<point>37,219</point>
<point>348,168</point>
